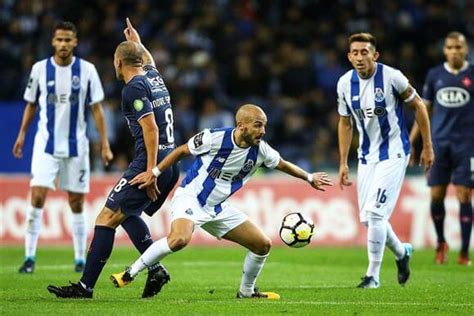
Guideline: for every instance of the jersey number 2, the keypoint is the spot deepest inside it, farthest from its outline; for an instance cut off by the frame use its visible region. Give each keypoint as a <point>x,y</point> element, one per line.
<point>169,126</point>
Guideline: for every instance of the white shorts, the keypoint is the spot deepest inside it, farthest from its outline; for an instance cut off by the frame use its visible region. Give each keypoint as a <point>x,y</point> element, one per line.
<point>73,173</point>
<point>187,206</point>
<point>378,186</point>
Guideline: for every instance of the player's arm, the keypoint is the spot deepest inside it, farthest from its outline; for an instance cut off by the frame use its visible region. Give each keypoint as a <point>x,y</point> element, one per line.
<point>415,132</point>
<point>150,138</point>
<point>317,179</point>
<point>131,34</point>
<point>28,115</point>
<point>98,114</point>
<point>344,132</point>
<point>147,178</point>
<point>422,120</point>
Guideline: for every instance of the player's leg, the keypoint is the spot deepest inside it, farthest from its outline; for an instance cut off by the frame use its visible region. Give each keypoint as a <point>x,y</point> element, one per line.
<point>99,252</point>
<point>464,196</point>
<point>438,214</point>
<point>44,169</point>
<point>79,229</point>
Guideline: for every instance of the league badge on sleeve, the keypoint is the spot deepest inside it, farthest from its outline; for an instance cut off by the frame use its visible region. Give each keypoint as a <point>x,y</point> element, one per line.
<point>138,105</point>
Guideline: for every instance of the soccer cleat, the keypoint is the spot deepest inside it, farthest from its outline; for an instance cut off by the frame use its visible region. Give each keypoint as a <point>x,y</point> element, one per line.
<point>75,290</point>
<point>464,259</point>
<point>403,265</point>
<point>260,295</point>
<point>121,279</point>
<point>368,282</point>
<point>156,279</point>
<point>28,266</point>
<point>79,266</point>
<point>441,253</point>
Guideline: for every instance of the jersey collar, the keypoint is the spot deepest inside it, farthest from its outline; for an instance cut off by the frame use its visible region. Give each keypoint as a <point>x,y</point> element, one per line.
<point>454,72</point>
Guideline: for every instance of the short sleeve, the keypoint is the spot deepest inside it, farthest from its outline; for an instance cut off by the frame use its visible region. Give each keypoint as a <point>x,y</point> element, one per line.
<point>271,157</point>
<point>135,98</point>
<point>96,91</point>
<point>399,81</point>
<point>428,87</point>
<point>342,106</point>
<point>200,143</point>
<point>31,91</point>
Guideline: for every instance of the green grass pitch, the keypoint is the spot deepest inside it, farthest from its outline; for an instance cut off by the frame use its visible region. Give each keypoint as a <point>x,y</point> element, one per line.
<point>204,281</point>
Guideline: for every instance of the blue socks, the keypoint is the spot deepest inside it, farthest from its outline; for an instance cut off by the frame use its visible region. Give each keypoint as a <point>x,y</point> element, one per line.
<point>138,232</point>
<point>465,217</point>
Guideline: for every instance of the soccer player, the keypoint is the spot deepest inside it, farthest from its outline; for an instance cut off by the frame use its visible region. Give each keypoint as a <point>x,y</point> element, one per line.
<point>226,158</point>
<point>373,94</point>
<point>64,87</point>
<point>147,109</point>
<point>449,91</point>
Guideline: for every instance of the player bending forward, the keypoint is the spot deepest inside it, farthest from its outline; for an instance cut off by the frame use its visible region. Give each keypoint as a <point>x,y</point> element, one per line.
<point>225,160</point>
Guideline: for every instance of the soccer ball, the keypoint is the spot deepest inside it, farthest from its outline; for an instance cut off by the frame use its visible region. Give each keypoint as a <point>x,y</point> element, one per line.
<point>296,230</point>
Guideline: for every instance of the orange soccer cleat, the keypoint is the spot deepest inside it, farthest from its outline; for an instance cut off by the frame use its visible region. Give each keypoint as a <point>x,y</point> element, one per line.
<point>442,253</point>
<point>464,259</point>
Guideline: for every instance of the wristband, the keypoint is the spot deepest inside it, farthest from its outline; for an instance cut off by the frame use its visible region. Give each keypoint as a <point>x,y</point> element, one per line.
<point>156,172</point>
<point>309,177</point>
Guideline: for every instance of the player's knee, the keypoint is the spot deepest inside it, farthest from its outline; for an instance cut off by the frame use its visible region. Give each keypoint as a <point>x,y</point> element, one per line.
<point>438,194</point>
<point>178,241</point>
<point>463,194</point>
<point>76,202</point>
<point>375,219</point>
<point>263,246</point>
<point>38,199</point>
<point>109,218</point>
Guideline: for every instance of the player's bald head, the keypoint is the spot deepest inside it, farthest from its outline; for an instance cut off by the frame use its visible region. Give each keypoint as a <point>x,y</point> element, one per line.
<point>249,113</point>
<point>130,53</point>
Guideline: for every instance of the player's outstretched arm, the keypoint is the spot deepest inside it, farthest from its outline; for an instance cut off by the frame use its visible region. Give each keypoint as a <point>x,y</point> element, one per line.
<point>148,178</point>
<point>344,131</point>
<point>98,114</point>
<point>423,122</point>
<point>317,180</point>
<point>131,34</point>
<point>28,115</point>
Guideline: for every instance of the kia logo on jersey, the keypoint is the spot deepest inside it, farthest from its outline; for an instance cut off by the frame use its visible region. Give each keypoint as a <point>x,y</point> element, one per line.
<point>453,97</point>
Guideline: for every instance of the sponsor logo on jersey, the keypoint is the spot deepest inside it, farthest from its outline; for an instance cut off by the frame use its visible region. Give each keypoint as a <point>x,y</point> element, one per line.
<point>369,113</point>
<point>453,97</point>
<point>379,95</point>
<point>138,105</point>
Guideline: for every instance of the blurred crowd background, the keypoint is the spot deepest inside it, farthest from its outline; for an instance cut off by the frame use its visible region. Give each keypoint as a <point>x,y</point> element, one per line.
<point>215,55</point>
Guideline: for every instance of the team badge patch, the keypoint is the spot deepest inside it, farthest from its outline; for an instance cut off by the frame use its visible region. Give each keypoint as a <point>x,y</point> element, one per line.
<point>76,82</point>
<point>198,140</point>
<point>379,95</point>
<point>138,105</point>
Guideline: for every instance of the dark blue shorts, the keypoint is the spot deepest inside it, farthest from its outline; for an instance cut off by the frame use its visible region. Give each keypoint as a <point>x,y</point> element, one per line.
<point>454,163</point>
<point>133,201</point>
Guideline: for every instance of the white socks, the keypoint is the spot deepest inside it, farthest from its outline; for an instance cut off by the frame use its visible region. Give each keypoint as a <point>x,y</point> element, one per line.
<point>253,264</point>
<point>394,244</point>
<point>79,236</point>
<point>34,218</point>
<point>376,238</point>
<point>156,252</point>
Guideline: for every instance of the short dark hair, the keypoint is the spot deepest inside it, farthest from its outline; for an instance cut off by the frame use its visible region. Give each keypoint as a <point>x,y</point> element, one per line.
<point>363,37</point>
<point>65,25</point>
<point>456,35</point>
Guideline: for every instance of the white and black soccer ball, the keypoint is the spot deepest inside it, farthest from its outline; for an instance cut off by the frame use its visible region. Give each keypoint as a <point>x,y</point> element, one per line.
<point>296,230</point>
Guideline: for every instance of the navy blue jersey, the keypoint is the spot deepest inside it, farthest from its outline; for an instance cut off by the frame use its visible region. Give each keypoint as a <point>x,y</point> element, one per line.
<point>452,99</point>
<point>142,95</point>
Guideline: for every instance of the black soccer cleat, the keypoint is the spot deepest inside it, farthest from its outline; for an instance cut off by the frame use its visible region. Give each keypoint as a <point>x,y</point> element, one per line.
<point>28,266</point>
<point>403,265</point>
<point>75,290</point>
<point>368,282</point>
<point>156,279</point>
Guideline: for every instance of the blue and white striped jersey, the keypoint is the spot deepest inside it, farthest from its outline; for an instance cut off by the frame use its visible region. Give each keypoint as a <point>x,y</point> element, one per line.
<point>221,167</point>
<point>377,109</point>
<point>63,94</point>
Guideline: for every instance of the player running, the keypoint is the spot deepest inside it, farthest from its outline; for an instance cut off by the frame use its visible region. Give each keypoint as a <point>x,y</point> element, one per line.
<point>449,90</point>
<point>225,160</point>
<point>373,94</point>
<point>147,108</point>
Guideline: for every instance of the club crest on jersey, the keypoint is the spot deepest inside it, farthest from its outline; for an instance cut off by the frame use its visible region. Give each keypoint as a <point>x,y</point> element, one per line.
<point>76,82</point>
<point>379,95</point>
<point>138,105</point>
<point>248,165</point>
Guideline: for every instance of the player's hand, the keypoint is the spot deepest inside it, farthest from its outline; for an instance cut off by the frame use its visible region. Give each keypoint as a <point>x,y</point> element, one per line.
<point>18,147</point>
<point>320,180</point>
<point>427,157</point>
<point>131,33</point>
<point>412,160</point>
<point>145,179</point>
<point>107,155</point>
<point>152,191</point>
<point>344,176</point>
